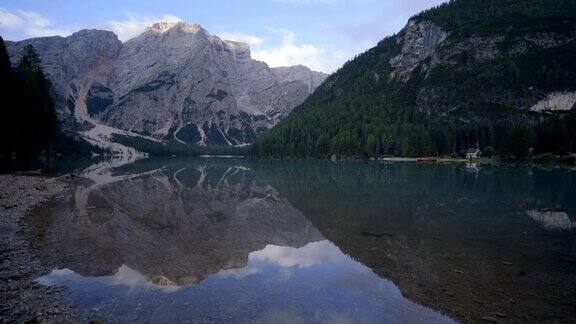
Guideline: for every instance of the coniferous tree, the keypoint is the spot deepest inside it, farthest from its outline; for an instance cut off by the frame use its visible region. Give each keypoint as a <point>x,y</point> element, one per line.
<point>38,108</point>
<point>29,124</point>
<point>7,122</point>
<point>5,68</point>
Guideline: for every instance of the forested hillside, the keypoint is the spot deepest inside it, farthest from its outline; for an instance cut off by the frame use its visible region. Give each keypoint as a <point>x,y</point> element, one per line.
<point>493,73</point>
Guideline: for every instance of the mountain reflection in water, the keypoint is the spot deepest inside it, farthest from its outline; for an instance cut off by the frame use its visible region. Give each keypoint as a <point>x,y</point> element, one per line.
<point>279,284</point>
<point>295,241</point>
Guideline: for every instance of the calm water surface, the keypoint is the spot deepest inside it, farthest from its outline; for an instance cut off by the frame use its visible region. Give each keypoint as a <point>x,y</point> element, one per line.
<point>232,240</point>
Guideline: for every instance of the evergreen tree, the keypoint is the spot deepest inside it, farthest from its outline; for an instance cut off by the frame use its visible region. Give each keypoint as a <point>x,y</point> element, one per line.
<point>38,108</point>
<point>30,63</point>
<point>7,95</point>
<point>30,125</point>
<point>5,67</point>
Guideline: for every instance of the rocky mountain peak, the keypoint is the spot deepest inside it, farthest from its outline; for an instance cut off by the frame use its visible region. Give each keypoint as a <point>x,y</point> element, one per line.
<point>183,40</point>
<point>242,50</point>
<point>174,82</point>
<point>164,26</point>
<point>101,34</point>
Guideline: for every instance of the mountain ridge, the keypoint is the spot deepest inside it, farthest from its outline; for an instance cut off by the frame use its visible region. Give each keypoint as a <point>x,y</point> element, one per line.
<point>464,73</point>
<point>174,82</point>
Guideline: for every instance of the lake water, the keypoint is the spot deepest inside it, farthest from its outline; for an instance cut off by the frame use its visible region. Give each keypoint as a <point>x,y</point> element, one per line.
<point>235,240</point>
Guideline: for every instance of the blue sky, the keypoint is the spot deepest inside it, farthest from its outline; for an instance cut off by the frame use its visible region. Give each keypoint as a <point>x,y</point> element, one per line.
<point>321,34</point>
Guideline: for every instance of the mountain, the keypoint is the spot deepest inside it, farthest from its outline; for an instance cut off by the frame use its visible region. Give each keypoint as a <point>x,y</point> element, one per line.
<point>494,73</point>
<point>174,82</point>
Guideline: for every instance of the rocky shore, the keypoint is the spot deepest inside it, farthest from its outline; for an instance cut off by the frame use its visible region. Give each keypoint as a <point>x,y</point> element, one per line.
<point>21,298</point>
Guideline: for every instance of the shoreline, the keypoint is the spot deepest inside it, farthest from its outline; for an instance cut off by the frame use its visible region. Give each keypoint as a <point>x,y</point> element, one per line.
<point>22,299</point>
<point>498,161</point>
<point>430,160</point>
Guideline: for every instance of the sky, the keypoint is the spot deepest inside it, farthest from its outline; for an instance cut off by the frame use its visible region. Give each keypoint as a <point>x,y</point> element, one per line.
<point>320,34</point>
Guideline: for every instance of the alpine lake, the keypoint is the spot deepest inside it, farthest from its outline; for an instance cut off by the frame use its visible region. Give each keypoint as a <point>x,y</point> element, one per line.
<point>239,240</point>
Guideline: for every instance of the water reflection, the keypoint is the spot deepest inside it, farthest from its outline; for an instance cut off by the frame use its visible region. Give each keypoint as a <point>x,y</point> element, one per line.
<point>234,240</point>
<point>172,224</point>
<point>315,282</point>
<point>552,219</point>
<point>495,245</point>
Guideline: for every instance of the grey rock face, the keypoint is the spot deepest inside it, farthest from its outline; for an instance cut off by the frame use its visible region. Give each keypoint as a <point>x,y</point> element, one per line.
<point>300,73</point>
<point>174,81</point>
<point>419,42</point>
<point>423,46</point>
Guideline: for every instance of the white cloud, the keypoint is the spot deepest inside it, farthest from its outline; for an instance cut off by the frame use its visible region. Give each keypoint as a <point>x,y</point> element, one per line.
<point>135,24</point>
<point>125,276</point>
<point>290,52</point>
<point>280,47</point>
<point>9,20</point>
<point>253,41</point>
<point>22,24</point>
<point>309,255</point>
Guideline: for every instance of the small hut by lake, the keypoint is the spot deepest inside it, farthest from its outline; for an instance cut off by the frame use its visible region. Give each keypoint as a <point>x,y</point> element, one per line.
<point>473,153</point>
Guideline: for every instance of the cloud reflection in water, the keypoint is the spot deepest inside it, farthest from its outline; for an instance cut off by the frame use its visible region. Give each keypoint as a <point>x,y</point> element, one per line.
<point>279,283</point>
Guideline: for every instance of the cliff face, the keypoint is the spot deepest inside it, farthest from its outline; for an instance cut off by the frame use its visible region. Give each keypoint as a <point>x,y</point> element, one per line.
<point>174,81</point>
<point>446,65</point>
<point>419,42</point>
<point>451,65</point>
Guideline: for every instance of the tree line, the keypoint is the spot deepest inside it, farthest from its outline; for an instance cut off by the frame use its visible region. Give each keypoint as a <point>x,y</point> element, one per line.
<point>417,137</point>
